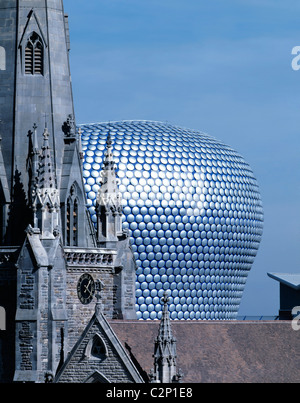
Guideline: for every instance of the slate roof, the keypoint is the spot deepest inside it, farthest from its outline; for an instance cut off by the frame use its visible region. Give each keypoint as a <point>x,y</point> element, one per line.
<point>220,351</point>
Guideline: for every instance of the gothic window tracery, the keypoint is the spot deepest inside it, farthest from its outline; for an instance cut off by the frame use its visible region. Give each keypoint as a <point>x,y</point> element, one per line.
<point>96,348</point>
<point>34,55</point>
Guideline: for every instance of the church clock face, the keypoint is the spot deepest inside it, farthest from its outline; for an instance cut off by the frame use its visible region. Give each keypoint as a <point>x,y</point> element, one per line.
<point>86,288</point>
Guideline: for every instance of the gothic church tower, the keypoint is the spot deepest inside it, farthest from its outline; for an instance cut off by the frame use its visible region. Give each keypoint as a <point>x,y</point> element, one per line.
<point>51,257</point>
<point>36,90</point>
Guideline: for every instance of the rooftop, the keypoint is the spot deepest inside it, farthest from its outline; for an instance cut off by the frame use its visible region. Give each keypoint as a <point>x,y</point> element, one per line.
<point>263,351</point>
<point>290,279</point>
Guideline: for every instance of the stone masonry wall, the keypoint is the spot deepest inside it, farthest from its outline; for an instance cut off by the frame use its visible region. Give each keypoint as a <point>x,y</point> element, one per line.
<point>79,315</point>
<point>81,367</point>
<point>7,340</point>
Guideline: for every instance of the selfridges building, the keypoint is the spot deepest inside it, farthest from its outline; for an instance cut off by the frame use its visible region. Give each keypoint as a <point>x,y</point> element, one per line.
<point>193,210</point>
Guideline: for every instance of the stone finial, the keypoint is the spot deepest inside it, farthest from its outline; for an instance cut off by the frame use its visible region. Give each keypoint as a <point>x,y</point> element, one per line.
<point>80,144</point>
<point>46,134</point>
<point>35,144</point>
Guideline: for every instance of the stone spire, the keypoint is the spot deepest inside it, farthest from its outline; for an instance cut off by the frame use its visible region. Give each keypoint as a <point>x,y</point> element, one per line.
<point>33,160</point>
<point>46,174</point>
<point>46,201</point>
<point>165,355</point>
<point>109,202</point>
<point>35,151</point>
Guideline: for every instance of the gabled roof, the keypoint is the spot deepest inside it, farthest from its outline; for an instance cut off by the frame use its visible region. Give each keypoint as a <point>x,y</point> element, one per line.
<point>114,366</point>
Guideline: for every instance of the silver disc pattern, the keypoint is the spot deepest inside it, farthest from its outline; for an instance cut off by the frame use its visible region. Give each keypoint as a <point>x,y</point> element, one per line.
<point>193,210</point>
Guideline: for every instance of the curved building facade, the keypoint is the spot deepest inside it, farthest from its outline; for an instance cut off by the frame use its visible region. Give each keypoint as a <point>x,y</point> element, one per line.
<point>193,209</point>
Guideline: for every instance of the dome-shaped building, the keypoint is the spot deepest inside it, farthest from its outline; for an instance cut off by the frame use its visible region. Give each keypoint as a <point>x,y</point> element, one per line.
<point>193,210</point>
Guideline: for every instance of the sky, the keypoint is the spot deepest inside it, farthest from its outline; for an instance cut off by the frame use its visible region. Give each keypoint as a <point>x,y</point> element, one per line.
<point>221,67</point>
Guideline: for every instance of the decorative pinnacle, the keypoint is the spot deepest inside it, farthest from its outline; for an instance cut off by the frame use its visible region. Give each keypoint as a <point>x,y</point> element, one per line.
<point>165,299</point>
<point>165,332</point>
<point>108,141</point>
<point>80,144</point>
<point>35,144</point>
<point>46,134</point>
<point>109,164</point>
<point>46,174</point>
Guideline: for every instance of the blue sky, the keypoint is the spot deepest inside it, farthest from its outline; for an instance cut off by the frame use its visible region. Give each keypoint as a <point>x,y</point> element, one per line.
<point>222,67</point>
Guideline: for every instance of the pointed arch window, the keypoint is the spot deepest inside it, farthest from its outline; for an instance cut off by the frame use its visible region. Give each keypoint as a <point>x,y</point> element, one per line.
<point>98,350</point>
<point>34,55</point>
<point>68,230</point>
<point>72,222</point>
<point>72,217</point>
<point>75,222</point>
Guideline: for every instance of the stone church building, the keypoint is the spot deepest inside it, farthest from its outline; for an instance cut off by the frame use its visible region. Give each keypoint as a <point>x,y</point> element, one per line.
<point>60,279</point>
<point>68,289</point>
